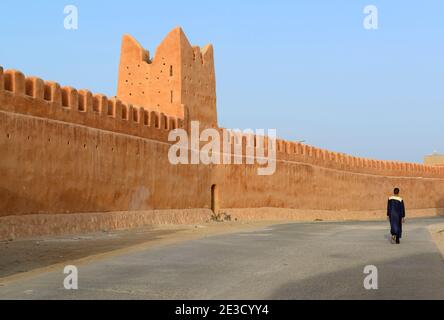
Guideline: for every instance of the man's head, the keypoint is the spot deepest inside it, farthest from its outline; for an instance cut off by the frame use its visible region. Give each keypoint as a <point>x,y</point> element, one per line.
<point>396,191</point>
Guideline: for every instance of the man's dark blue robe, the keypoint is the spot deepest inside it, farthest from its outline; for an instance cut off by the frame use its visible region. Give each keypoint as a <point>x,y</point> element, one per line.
<point>396,212</point>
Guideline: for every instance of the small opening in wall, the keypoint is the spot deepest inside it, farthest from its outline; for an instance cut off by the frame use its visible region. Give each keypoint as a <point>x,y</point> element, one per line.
<point>171,96</point>
<point>29,88</point>
<point>82,104</point>
<point>8,82</point>
<point>157,122</point>
<point>96,104</point>
<point>84,146</point>
<point>171,71</point>
<point>65,99</point>
<point>214,199</point>
<point>8,136</point>
<point>124,113</point>
<point>135,115</point>
<point>110,109</point>
<point>146,118</point>
<point>47,93</point>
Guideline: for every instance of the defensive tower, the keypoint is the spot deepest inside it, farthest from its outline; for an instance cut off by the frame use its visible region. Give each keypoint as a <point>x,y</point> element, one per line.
<point>178,81</point>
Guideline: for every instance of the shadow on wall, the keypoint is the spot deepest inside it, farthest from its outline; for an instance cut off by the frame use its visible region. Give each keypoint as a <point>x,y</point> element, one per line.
<point>393,281</point>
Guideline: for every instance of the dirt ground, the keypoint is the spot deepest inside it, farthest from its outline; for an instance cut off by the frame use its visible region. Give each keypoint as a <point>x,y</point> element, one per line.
<point>19,257</point>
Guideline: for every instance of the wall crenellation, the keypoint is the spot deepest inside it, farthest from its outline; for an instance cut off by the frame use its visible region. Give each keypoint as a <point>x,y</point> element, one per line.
<point>299,152</point>
<point>84,107</point>
<point>99,111</point>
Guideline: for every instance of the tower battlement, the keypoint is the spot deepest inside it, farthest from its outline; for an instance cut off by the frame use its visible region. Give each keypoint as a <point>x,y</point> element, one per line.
<point>178,81</point>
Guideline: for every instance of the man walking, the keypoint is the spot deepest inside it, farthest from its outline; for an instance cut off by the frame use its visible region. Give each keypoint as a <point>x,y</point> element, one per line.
<point>396,215</point>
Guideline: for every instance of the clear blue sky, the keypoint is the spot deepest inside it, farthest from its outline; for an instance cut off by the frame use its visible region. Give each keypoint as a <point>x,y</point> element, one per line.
<point>307,68</point>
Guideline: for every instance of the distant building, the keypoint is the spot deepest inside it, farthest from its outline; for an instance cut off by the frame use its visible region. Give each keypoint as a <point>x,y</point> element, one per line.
<point>434,159</point>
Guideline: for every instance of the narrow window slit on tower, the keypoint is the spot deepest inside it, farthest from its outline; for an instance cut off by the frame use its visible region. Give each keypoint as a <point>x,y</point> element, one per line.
<point>171,71</point>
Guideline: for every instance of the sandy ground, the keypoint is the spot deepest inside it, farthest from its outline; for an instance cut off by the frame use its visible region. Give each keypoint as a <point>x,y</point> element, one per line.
<point>437,232</point>
<point>26,257</point>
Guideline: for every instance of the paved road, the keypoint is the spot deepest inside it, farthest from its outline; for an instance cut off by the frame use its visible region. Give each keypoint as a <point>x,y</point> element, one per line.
<point>291,261</point>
